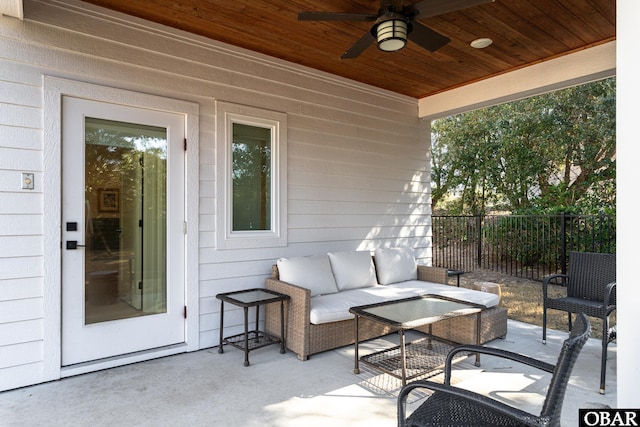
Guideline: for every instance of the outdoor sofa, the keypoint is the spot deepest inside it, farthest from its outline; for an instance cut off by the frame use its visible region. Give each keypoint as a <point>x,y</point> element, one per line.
<point>323,288</point>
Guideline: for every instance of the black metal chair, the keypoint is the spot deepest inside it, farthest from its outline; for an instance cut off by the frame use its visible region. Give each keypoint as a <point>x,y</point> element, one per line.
<point>453,406</point>
<point>591,289</point>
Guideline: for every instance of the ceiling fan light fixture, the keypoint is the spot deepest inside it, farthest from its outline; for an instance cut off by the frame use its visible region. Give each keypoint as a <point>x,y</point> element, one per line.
<point>392,35</point>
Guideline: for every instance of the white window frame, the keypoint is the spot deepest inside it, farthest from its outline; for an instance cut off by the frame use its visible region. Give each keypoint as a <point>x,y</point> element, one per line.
<point>226,238</point>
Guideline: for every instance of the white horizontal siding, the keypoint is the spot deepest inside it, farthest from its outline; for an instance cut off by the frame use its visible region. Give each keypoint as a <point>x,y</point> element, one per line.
<point>14,355</point>
<point>22,203</point>
<point>24,225</point>
<point>22,374</point>
<point>19,94</point>
<point>23,288</point>
<point>357,157</point>
<point>20,332</point>
<point>20,268</point>
<point>17,137</point>
<point>20,310</point>
<point>20,115</point>
<point>20,246</point>
<point>20,159</point>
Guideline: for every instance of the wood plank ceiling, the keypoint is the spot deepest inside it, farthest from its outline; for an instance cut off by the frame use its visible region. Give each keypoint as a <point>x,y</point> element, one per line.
<point>524,33</point>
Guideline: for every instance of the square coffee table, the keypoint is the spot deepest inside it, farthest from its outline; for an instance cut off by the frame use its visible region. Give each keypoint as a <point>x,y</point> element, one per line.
<point>410,360</point>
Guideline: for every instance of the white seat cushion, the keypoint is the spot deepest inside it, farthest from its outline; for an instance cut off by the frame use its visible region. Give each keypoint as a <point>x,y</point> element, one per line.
<point>312,272</point>
<point>419,287</point>
<point>395,265</point>
<point>353,269</point>
<point>335,307</point>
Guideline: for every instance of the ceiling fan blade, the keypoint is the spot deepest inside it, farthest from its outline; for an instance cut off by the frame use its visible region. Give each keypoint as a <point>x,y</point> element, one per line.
<point>427,38</point>
<point>358,47</point>
<point>335,16</point>
<point>428,8</point>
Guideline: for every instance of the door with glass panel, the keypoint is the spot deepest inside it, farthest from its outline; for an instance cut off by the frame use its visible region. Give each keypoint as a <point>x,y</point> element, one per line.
<point>122,230</point>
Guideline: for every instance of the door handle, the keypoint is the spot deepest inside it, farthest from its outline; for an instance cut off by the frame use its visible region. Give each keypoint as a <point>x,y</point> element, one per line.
<point>73,244</point>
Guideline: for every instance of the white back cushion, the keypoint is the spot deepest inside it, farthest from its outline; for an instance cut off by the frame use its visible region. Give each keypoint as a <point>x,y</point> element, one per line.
<point>353,269</point>
<point>312,272</point>
<point>396,265</point>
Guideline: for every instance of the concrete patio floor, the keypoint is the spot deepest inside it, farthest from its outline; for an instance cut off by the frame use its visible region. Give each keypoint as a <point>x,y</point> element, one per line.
<point>207,388</point>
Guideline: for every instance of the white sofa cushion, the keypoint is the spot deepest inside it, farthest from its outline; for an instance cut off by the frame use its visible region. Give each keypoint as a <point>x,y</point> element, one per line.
<point>312,272</point>
<point>335,307</point>
<point>419,287</point>
<point>395,265</point>
<point>353,269</point>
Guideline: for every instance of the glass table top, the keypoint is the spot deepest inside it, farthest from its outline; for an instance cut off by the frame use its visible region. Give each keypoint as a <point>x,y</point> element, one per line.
<point>251,296</point>
<point>416,311</point>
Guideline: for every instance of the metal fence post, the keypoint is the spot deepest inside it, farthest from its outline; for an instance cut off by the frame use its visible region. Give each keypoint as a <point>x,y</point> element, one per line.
<point>563,244</point>
<point>479,227</point>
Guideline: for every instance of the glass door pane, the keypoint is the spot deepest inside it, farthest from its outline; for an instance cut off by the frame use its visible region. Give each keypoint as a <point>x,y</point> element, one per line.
<point>126,220</point>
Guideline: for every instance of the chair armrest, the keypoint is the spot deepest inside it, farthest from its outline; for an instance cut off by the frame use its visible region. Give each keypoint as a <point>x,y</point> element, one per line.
<point>300,302</point>
<point>546,280</point>
<point>297,315</point>
<point>504,354</point>
<point>433,274</point>
<point>611,287</point>
<point>518,414</point>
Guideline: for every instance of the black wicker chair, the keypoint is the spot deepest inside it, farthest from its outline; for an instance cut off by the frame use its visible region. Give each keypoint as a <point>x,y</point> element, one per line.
<point>453,406</point>
<point>591,289</point>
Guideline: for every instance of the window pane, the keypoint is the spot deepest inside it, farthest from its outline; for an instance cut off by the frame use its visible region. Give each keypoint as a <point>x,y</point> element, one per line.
<point>251,149</point>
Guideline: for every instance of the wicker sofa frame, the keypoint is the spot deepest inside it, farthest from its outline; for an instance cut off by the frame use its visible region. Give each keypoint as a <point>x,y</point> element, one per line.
<point>305,339</point>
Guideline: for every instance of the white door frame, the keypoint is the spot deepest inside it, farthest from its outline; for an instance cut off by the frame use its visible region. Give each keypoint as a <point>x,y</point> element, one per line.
<point>54,89</point>
<point>164,324</point>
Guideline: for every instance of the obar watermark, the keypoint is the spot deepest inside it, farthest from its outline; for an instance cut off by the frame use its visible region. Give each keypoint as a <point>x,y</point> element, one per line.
<point>609,417</point>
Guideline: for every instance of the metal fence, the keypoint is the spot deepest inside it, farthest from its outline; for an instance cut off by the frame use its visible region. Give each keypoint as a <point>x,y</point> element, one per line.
<point>529,246</point>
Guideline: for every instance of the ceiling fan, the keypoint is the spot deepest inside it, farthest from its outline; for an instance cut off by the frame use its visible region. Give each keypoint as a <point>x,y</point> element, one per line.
<point>395,23</point>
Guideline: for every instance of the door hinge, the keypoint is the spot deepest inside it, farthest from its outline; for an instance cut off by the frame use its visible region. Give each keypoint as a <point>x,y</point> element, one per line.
<point>185,311</point>
<point>185,144</point>
<point>184,227</point>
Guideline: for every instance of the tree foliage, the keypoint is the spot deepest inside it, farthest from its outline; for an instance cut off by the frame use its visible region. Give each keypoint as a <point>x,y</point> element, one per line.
<point>551,152</point>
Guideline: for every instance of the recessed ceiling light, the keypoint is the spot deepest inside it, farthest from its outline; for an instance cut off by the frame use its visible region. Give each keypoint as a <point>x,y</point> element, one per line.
<point>481,43</point>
